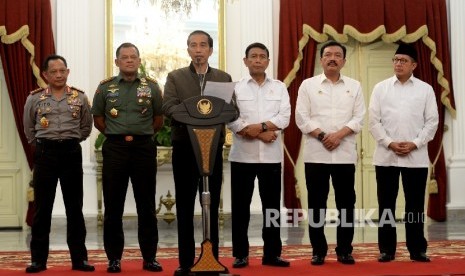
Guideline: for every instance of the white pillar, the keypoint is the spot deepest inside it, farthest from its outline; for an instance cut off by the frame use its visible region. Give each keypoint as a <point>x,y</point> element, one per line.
<point>80,39</point>
<point>248,22</point>
<point>456,168</point>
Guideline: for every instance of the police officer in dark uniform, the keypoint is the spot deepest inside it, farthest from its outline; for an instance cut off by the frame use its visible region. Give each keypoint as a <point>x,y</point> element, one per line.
<point>56,119</point>
<point>127,109</point>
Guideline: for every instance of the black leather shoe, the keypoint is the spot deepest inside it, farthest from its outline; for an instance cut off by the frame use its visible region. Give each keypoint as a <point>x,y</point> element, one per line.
<point>181,271</point>
<point>36,267</point>
<point>83,266</point>
<point>241,262</point>
<point>385,257</point>
<point>420,257</point>
<point>275,261</point>
<point>345,259</point>
<point>152,265</point>
<point>317,260</point>
<point>114,266</point>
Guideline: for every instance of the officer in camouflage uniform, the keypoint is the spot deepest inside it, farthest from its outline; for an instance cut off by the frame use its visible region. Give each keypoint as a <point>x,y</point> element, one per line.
<point>56,119</point>
<point>127,109</point>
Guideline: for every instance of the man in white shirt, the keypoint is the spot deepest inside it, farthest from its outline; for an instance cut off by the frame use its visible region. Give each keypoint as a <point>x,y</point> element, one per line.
<point>403,118</point>
<point>257,152</point>
<point>329,111</point>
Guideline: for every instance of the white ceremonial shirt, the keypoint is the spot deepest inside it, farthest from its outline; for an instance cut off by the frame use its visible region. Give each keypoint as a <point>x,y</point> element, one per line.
<point>402,112</point>
<point>257,104</point>
<point>330,107</point>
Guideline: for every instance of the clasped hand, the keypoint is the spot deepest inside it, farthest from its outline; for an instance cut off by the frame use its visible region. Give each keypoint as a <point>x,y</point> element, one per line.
<point>331,141</point>
<point>267,136</point>
<point>255,131</point>
<point>402,148</point>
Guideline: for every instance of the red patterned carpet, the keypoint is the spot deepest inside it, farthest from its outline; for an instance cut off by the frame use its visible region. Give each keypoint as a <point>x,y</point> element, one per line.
<point>447,259</point>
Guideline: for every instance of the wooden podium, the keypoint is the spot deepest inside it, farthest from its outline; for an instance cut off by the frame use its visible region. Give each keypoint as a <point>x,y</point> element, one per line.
<point>205,117</point>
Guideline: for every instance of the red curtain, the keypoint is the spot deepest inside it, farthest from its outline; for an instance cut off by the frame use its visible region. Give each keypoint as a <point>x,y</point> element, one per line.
<point>26,39</point>
<point>305,23</point>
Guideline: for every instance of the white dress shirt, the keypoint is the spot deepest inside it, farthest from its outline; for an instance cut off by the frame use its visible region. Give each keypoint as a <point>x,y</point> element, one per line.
<point>399,113</point>
<point>257,104</point>
<point>330,107</point>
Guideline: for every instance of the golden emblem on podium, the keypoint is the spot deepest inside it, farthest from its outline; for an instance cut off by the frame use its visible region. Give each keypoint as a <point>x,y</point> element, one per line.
<point>204,106</point>
<point>228,138</point>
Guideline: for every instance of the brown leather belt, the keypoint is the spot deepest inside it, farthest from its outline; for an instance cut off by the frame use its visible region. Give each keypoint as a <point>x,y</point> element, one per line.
<point>127,138</point>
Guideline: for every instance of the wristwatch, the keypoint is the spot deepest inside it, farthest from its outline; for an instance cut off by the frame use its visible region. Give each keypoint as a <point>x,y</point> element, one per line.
<point>321,135</point>
<point>264,127</point>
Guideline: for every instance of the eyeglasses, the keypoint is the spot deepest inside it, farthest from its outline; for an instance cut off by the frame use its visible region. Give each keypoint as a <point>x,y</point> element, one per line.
<point>402,61</point>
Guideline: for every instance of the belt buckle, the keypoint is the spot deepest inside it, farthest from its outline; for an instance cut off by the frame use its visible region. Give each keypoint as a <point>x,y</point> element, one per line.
<point>128,138</point>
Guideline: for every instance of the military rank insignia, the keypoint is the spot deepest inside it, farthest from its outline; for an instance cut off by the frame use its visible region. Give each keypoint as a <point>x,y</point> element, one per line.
<point>112,88</point>
<point>73,98</point>
<point>144,91</point>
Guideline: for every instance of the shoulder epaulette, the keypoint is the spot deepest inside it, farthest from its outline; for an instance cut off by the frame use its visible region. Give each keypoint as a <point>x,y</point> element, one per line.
<point>77,89</point>
<point>107,80</point>
<point>37,90</point>
<point>152,80</point>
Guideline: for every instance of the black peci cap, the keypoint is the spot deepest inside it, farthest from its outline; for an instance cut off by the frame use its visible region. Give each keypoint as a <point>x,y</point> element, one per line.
<point>407,49</point>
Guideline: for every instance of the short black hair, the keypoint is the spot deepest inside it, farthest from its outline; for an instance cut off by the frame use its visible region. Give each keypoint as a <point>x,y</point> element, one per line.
<point>256,45</point>
<point>53,57</point>
<point>196,32</point>
<point>333,43</point>
<point>126,45</point>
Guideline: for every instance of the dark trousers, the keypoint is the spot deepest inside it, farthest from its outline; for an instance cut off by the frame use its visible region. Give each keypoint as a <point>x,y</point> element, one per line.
<point>414,184</point>
<point>269,185</point>
<point>54,161</point>
<point>317,179</point>
<point>187,182</point>
<point>135,160</point>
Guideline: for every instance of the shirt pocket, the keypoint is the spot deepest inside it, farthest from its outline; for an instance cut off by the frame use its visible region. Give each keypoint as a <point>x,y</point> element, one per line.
<point>145,106</point>
<point>246,103</point>
<point>344,107</point>
<point>144,101</point>
<point>272,103</point>
<point>43,109</point>
<point>112,102</point>
<point>413,108</point>
<point>75,110</point>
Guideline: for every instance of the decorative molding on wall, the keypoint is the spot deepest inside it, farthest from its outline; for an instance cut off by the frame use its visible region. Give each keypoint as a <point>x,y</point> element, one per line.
<point>456,166</point>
